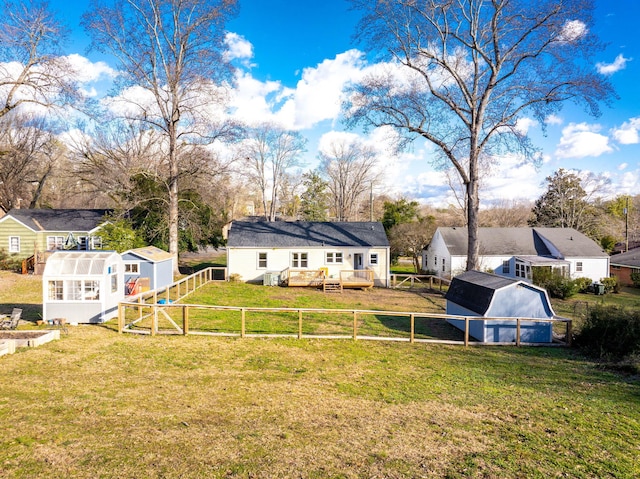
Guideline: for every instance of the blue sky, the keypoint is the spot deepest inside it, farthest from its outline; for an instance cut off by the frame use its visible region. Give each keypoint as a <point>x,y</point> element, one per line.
<point>294,58</point>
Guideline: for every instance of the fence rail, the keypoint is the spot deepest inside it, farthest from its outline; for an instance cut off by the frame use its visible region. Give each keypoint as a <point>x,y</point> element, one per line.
<point>139,316</point>
<point>404,280</point>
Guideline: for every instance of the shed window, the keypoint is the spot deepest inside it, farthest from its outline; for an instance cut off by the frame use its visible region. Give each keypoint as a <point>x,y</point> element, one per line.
<point>55,242</point>
<point>73,290</point>
<point>435,261</point>
<point>91,290</point>
<point>262,260</point>
<point>114,278</point>
<point>56,290</point>
<point>14,244</point>
<point>332,258</point>
<point>299,260</point>
<point>373,258</point>
<point>443,264</point>
<point>132,268</point>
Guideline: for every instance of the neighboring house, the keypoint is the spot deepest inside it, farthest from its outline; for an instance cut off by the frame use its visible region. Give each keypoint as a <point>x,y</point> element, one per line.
<point>514,252</point>
<point>147,268</point>
<point>623,264</point>
<point>24,232</point>
<point>485,295</point>
<point>258,247</point>
<point>82,286</point>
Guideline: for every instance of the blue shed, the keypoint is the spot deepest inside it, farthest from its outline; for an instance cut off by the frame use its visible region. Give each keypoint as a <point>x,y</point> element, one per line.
<point>486,295</point>
<point>147,268</point>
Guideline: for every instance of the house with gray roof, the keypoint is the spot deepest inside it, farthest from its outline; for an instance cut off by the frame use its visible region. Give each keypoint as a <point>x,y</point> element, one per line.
<point>25,232</point>
<point>624,264</point>
<point>515,252</point>
<point>494,302</point>
<point>274,249</point>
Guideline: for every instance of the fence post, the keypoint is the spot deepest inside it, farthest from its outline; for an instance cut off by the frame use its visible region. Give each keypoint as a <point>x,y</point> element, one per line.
<point>518,332</point>
<point>355,325</point>
<point>413,324</point>
<point>242,323</point>
<point>569,332</point>
<point>154,320</point>
<point>466,331</point>
<point>185,320</point>
<point>299,324</point>
<point>120,318</point>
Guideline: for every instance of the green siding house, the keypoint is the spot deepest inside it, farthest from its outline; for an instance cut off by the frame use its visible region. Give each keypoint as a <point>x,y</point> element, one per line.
<point>28,232</point>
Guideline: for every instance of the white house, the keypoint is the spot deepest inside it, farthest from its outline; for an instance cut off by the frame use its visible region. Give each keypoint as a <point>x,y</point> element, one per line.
<point>256,248</point>
<point>493,300</point>
<point>82,286</point>
<point>513,252</point>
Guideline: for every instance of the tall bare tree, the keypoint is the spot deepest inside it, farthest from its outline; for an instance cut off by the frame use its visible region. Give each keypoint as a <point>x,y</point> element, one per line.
<point>270,152</point>
<point>350,169</point>
<point>461,73</point>
<point>32,69</point>
<point>171,54</point>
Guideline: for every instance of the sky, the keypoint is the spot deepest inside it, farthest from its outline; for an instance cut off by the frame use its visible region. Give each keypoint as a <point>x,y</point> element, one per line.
<point>294,58</point>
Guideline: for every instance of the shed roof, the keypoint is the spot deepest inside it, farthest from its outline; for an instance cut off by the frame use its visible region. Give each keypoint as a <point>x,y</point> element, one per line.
<point>522,242</point>
<point>59,219</point>
<point>80,263</point>
<point>474,290</point>
<point>299,234</point>
<point>150,253</point>
<point>629,259</point>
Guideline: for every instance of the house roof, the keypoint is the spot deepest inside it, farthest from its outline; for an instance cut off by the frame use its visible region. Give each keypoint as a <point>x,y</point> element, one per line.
<point>474,290</point>
<point>300,234</point>
<point>629,259</point>
<point>150,253</point>
<point>522,242</point>
<point>59,219</point>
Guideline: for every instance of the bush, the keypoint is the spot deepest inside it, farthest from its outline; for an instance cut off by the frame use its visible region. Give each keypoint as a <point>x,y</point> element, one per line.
<point>635,277</point>
<point>582,284</point>
<point>10,263</point>
<point>610,285</point>
<point>610,332</point>
<point>556,285</point>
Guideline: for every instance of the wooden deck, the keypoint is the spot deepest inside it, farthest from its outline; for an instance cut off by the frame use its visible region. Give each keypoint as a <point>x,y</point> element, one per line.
<point>361,278</point>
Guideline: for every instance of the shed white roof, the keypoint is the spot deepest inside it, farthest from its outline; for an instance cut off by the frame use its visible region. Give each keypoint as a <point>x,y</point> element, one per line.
<point>80,263</point>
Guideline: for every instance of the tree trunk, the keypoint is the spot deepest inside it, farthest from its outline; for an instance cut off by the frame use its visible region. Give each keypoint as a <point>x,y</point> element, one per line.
<point>173,195</point>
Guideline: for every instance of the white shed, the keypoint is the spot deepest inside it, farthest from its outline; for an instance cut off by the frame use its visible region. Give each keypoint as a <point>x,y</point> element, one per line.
<point>82,286</point>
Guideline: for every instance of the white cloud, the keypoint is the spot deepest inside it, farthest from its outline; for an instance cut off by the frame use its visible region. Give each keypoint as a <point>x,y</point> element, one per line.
<point>88,71</point>
<point>627,134</point>
<point>553,120</point>
<point>253,101</point>
<point>623,166</point>
<point>610,68</point>
<point>524,124</point>
<point>573,30</point>
<point>238,48</point>
<point>580,140</point>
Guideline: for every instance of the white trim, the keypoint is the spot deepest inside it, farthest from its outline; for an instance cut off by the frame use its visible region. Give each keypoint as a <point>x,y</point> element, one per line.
<point>12,249</point>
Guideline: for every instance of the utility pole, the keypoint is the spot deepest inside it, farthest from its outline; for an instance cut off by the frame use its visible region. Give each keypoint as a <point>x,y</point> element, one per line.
<point>626,226</point>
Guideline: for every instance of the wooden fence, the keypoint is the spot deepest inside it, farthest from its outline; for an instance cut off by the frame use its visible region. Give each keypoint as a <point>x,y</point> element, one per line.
<point>410,281</point>
<point>139,316</point>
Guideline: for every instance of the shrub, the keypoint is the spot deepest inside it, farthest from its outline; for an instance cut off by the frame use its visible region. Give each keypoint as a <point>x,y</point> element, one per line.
<point>635,277</point>
<point>556,285</point>
<point>10,263</point>
<point>610,332</point>
<point>610,285</point>
<point>582,284</point>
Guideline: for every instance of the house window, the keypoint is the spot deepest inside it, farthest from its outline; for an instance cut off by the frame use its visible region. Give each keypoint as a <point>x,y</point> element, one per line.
<point>443,265</point>
<point>299,260</point>
<point>55,242</point>
<point>579,266</point>
<point>56,290</point>
<point>332,258</point>
<point>132,268</point>
<point>96,242</point>
<point>435,261</point>
<point>520,270</point>
<point>373,258</point>
<point>14,244</point>
<point>262,260</point>
<point>506,269</point>
<point>82,243</point>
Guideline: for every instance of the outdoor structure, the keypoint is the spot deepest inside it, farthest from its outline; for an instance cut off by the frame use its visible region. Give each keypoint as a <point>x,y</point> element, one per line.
<point>147,268</point>
<point>515,252</point>
<point>624,264</point>
<point>28,233</point>
<point>82,286</point>
<point>346,254</point>
<point>486,295</point>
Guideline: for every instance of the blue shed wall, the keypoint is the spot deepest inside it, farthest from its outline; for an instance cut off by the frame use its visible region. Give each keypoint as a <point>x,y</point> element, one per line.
<point>519,301</point>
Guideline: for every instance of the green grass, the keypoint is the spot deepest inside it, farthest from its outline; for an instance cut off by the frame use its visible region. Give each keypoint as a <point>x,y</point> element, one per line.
<point>100,404</point>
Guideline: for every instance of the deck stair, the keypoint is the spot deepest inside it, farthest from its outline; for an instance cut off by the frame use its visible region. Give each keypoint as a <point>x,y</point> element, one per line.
<point>332,285</point>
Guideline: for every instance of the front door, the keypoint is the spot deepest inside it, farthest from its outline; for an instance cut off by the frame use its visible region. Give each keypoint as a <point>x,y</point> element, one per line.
<point>357,261</point>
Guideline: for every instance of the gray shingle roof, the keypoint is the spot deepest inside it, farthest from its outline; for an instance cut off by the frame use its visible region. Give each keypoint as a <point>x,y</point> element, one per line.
<point>299,234</point>
<point>59,219</point>
<point>630,259</point>
<point>474,290</point>
<point>522,242</point>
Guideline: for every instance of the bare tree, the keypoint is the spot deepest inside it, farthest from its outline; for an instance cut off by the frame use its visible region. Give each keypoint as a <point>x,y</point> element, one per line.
<point>270,152</point>
<point>29,157</point>
<point>173,51</point>
<point>350,169</point>
<point>461,73</point>
<point>32,70</point>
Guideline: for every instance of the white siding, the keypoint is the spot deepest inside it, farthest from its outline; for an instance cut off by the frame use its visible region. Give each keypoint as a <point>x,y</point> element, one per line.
<point>593,268</point>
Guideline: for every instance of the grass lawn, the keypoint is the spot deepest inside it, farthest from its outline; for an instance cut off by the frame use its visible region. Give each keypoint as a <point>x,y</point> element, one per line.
<point>100,404</point>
